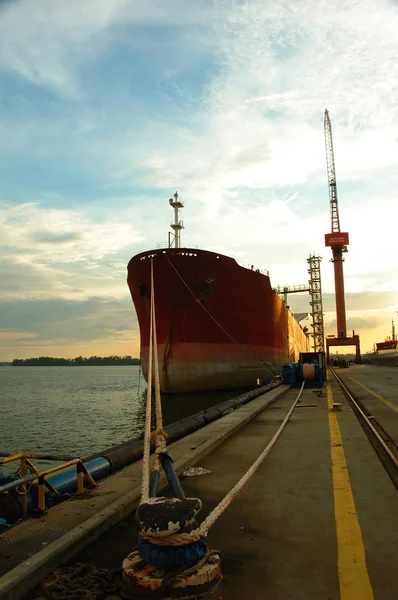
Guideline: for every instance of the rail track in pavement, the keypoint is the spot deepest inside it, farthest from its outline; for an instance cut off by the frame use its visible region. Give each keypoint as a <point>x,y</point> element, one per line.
<point>381,441</point>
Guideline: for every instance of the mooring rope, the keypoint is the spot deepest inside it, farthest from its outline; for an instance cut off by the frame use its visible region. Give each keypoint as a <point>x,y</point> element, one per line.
<point>183,538</point>
<point>139,376</point>
<point>159,437</point>
<point>158,403</point>
<point>220,508</point>
<point>148,411</point>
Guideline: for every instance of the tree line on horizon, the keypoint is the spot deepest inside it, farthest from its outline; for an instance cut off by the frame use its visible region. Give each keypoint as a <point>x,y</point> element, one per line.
<point>79,361</point>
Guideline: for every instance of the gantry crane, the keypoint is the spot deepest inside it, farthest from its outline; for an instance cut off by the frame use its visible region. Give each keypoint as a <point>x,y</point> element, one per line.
<point>338,241</point>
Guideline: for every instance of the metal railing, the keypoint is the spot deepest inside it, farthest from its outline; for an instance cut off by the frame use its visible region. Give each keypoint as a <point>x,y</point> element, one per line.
<point>253,268</point>
<point>27,474</point>
<point>291,289</point>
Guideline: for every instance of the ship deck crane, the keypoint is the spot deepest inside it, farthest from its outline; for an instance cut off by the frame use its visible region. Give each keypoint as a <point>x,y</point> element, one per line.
<point>338,241</point>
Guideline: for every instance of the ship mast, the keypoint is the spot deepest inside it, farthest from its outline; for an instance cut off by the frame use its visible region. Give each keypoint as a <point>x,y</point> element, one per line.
<point>175,240</point>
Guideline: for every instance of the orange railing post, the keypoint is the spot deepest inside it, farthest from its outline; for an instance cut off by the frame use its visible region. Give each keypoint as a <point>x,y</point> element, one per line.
<point>41,495</point>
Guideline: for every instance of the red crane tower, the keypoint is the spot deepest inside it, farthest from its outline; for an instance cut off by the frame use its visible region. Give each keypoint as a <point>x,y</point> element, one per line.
<point>338,241</point>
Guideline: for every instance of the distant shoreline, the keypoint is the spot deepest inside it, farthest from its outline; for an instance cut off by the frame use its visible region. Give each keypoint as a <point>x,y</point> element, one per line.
<point>79,361</point>
<point>90,365</point>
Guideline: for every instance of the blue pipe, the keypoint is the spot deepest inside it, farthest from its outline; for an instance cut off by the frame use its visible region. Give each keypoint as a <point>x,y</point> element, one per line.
<point>65,482</point>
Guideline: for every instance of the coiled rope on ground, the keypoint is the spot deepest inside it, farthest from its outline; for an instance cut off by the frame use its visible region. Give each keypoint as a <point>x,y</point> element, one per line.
<point>81,582</point>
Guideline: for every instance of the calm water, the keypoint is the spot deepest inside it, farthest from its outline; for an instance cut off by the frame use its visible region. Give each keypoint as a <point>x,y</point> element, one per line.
<point>81,410</point>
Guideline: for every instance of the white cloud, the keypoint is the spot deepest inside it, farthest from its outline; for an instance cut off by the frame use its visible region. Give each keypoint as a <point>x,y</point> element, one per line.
<point>40,41</point>
<point>261,118</point>
<point>247,155</point>
<point>61,253</point>
<point>59,235</point>
<point>262,128</point>
<point>47,41</point>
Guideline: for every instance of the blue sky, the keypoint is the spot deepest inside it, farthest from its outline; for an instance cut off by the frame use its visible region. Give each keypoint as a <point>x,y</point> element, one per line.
<point>106,108</point>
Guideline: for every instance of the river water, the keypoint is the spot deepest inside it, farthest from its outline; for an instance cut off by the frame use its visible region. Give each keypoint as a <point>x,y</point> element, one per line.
<point>77,411</point>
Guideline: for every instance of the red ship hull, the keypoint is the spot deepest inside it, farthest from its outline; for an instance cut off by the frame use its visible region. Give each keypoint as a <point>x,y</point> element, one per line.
<point>219,325</point>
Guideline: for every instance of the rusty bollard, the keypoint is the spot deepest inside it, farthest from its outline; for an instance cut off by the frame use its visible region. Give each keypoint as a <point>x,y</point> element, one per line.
<point>172,560</point>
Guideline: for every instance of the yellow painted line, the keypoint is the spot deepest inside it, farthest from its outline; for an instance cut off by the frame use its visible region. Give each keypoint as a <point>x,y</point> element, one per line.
<point>387,402</point>
<point>351,558</point>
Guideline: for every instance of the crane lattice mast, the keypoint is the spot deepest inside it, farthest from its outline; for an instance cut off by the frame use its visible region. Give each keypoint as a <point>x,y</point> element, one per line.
<point>331,169</point>
<point>318,333</point>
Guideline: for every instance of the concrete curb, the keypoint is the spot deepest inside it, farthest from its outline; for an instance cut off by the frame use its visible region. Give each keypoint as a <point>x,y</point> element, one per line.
<point>16,584</point>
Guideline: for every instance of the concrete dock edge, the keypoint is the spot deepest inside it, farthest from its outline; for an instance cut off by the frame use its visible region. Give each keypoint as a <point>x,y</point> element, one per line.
<point>16,584</point>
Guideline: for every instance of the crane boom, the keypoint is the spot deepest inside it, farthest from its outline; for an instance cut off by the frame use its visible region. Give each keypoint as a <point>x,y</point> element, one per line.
<point>331,169</point>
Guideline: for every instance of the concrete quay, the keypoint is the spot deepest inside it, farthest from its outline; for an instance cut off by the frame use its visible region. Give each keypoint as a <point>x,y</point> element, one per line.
<point>33,549</point>
<point>319,519</point>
